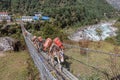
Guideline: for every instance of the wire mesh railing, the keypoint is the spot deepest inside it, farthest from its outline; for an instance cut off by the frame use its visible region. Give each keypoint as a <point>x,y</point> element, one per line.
<point>44,72</point>
<point>96,64</point>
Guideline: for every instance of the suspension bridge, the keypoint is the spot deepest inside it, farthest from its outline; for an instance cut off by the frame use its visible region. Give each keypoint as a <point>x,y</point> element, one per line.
<point>46,70</point>
<point>49,72</point>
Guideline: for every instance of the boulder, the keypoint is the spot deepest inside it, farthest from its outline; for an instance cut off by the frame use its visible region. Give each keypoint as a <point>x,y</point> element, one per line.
<point>1,48</point>
<point>7,43</point>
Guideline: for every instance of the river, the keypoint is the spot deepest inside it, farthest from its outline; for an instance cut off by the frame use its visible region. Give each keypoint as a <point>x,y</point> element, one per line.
<point>106,29</point>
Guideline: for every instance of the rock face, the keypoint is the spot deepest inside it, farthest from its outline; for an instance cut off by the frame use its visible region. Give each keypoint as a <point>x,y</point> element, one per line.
<point>114,3</point>
<point>6,43</point>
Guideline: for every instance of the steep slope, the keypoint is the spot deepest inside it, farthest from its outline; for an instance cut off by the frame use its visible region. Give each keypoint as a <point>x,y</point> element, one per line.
<point>71,12</point>
<point>65,12</point>
<point>114,3</point>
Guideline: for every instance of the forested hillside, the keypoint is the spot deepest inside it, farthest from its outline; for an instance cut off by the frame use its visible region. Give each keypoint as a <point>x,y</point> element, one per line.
<point>65,12</point>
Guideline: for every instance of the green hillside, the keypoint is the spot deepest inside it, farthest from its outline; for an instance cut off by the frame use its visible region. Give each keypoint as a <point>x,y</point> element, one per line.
<point>65,12</point>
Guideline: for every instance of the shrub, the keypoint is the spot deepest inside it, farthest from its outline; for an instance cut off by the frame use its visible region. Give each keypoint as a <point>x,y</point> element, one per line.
<point>52,32</point>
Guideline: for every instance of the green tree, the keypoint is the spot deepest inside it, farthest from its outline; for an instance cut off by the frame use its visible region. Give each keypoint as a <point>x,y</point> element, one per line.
<point>118,36</point>
<point>99,33</point>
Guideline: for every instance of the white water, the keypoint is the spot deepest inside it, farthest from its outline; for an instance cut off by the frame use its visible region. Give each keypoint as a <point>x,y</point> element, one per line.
<point>90,32</point>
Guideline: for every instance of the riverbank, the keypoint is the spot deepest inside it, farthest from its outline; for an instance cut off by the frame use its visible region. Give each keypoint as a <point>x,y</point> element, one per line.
<point>90,32</point>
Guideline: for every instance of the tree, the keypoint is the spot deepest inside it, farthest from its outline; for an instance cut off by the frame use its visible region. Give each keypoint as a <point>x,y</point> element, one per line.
<point>118,37</point>
<point>99,33</point>
<point>52,31</point>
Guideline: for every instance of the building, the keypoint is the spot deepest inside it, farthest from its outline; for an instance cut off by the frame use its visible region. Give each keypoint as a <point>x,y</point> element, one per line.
<point>5,16</point>
<point>39,15</point>
<point>27,18</point>
<point>45,18</point>
<point>36,17</point>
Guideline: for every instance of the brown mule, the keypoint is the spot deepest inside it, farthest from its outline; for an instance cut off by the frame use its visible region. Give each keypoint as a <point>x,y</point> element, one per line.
<point>56,52</point>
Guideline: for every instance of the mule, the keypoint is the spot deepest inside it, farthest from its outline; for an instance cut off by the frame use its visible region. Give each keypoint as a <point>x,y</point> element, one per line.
<point>56,52</point>
<point>36,44</point>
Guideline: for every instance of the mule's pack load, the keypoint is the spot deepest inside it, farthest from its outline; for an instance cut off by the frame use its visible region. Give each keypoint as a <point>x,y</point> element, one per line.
<point>47,43</point>
<point>34,37</point>
<point>40,39</point>
<point>58,42</point>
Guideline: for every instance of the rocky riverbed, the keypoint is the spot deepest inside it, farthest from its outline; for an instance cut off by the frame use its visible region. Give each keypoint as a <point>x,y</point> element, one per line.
<point>90,32</point>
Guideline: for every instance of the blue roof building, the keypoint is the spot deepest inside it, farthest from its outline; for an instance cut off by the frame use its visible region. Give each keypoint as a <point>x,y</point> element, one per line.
<point>35,17</point>
<point>45,18</point>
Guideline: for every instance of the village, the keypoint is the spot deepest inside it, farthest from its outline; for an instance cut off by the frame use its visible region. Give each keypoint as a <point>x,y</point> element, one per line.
<point>5,16</point>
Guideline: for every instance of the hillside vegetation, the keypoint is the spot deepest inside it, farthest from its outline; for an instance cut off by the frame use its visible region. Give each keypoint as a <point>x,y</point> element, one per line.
<point>65,12</point>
